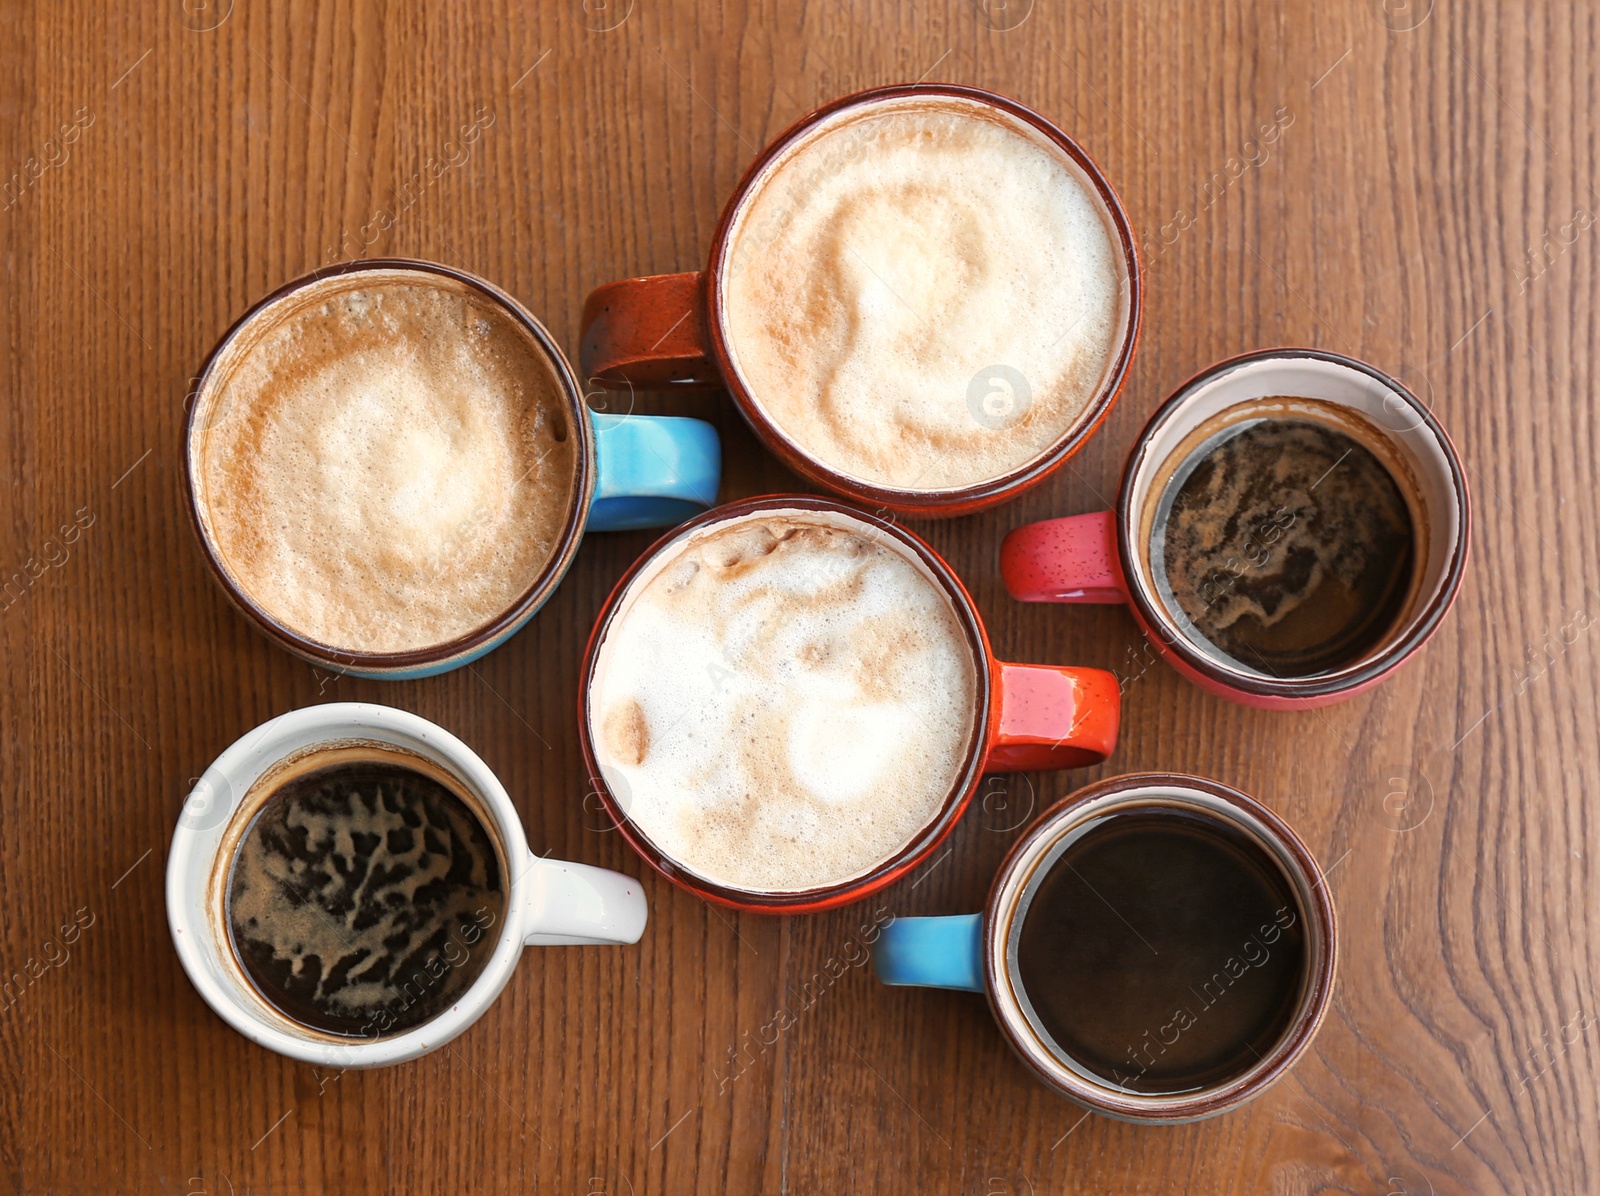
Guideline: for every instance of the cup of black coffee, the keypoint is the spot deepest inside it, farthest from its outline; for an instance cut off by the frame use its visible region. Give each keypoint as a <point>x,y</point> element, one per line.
<point>349,885</point>
<point>1157,948</point>
<point>1292,526</point>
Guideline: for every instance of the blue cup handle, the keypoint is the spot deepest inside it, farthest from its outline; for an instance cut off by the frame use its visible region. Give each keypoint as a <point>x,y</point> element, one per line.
<point>654,470</point>
<point>933,952</point>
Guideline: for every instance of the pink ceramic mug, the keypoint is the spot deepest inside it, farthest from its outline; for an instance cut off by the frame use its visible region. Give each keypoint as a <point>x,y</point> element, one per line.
<point>1106,557</point>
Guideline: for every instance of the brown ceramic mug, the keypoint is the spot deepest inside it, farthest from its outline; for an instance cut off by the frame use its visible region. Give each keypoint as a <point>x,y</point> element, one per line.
<point>980,952</point>
<point>674,329</point>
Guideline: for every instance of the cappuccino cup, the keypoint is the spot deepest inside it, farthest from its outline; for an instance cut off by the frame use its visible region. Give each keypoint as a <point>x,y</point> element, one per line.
<point>390,466</point>
<point>787,704</point>
<point>1292,526</point>
<point>1156,948</point>
<point>922,297</point>
<point>265,910</point>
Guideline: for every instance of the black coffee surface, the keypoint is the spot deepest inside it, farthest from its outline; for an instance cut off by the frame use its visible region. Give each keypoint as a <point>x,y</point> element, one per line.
<point>365,897</point>
<point>1163,952</point>
<point>1288,546</point>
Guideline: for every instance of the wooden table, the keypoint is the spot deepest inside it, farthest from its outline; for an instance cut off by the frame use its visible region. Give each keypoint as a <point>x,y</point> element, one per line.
<point>1425,208</point>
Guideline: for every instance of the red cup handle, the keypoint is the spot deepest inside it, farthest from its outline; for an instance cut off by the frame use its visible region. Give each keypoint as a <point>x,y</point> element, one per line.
<point>648,332</point>
<point>1053,717</point>
<point>1065,560</point>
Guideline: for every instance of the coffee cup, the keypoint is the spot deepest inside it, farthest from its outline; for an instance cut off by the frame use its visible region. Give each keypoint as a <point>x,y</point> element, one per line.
<point>390,466</point>
<point>922,297</point>
<point>1292,526</point>
<point>1155,948</point>
<point>233,958</point>
<point>787,703</point>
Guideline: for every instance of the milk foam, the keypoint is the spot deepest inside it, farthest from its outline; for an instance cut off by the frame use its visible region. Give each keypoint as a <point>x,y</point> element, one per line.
<point>389,468</point>
<point>783,701</point>
<point>890,259</point>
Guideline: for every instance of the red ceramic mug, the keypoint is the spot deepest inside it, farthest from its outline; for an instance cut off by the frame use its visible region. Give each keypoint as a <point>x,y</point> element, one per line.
<point>676,329</point>
<point>1019,717</point>
<point>1110,556</point>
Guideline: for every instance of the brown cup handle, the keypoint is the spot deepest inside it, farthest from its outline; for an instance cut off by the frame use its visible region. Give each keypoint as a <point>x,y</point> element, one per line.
<point>648,332</point>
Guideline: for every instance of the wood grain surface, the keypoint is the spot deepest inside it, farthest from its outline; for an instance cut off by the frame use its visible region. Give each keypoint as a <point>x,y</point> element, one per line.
<point>1427,207</point>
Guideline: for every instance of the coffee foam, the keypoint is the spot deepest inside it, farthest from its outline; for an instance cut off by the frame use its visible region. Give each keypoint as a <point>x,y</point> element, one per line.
<point>783,701</point>
<point>355,868</point>
<point>1193,561</point>
<point>888,262</point>
<point>388,466</point>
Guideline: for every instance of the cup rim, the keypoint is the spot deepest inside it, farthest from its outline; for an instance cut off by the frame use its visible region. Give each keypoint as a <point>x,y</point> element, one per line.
<point>186,867</point>
<point>1316,999</point>
<point>1419,626</point>
<point>507,621</point>
<point>931,834</point>
<point>957,500</point>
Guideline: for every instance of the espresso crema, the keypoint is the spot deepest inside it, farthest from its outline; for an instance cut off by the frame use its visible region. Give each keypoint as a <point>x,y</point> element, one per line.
<point>366,895</point>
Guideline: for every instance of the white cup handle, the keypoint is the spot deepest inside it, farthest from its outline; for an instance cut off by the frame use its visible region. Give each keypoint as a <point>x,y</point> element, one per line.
<point>571,904</point>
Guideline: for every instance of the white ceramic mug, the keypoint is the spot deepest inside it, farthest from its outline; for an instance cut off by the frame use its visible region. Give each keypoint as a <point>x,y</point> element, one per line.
<point>548,902</point>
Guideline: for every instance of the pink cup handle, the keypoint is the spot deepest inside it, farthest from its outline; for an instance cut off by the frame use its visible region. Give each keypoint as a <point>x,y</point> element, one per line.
<point>1065,560</point>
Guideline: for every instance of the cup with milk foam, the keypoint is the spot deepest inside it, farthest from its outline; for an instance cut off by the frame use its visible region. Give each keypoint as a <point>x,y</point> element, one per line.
<point>922,297</point>
<point>787,703</point>
<point>390,466</point>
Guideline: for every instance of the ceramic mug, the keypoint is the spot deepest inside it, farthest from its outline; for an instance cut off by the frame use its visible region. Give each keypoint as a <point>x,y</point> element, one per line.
<point>672,330</point>
<point>633,471</point>
<point>548,902</point>
<point>1026,716</point>
<point>1105,557</point>
<point>978,952</point>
